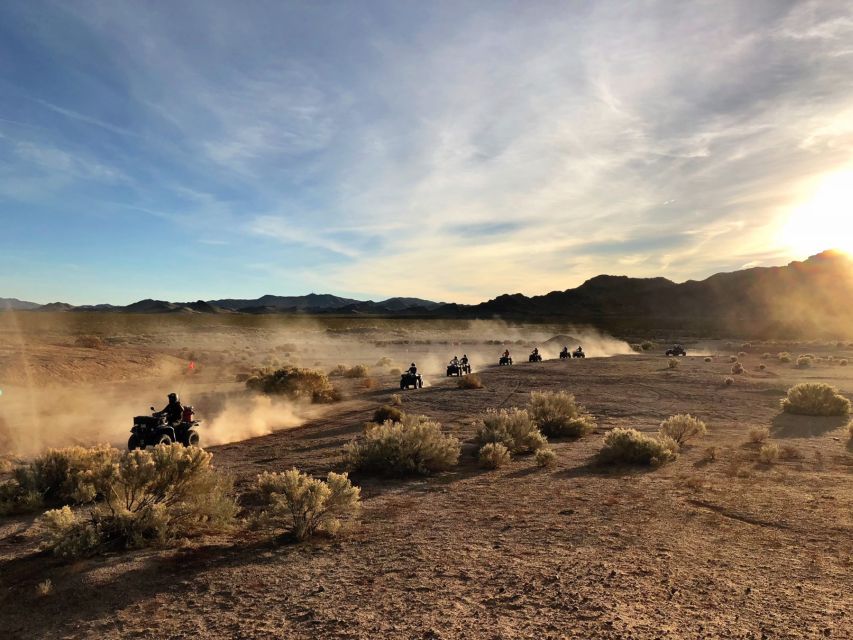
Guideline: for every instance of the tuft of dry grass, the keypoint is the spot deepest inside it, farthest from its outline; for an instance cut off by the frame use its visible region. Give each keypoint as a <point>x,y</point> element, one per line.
<point>768,453</point>
<point>729,381</point>
<point>803,362</point>
<point>493,455</point>
<point>790,452</point>
<point>759,435</point>
<point>710,454</point>
<point>784,357</point>
<point>387,412</point>
<point>513,428</point>
<point>471,381</point>
<point>629,446</point>
<point>815,399</point>
<point>732,358</point>
<point>843,362</point>
<point>682,427</point>
<point>708,359</point>
<point>762,367</point>
<point>546,458</point>
<point>396,399</point>
<point>44,588</point>
<point>673,363</point>
<point>737,368</point>
<point>295,383</point>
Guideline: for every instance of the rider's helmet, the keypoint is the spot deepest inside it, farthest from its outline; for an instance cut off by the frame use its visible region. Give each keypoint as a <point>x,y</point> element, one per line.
<point>413,364</point>
<point>173,397</point>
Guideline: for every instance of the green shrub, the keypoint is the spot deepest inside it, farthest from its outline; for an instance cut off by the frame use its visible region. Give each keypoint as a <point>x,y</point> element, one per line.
<point>546,458</point>
<point>415,445</point>
<point>493,455</point>
<point>471,381</point>
<point>307,505</point>
<point>683,427</point>
<point>295,383</point>
<point>558,415</point>
<point>153,496</point>
<point>815,399</point>
<point>513,428</point>
<point>387,412</point>
<point>629,446</point>
<point>56,478</point>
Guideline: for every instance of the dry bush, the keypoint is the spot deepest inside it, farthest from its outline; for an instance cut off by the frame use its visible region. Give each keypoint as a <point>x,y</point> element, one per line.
<point>358,371</point>
<point>558,415</point>
<point>708,359</point>
<point>746,346</point>
<point>673,363</point>
<point>396,399</point>
<point>513,428</point>
<point>766,356</point>
<point>415,445</point>
<point>710,454</point>
<point>646,345</point>
<point>153,496</point>
<point>741,354</point>
<point>762,367</point>
<point>759,435</point>
<point>815,399</point>
<point>384,361</point>
<point>471,381</point>
<point>242,376</point>
<point>295,383</point>
<point>729,381</point>
<point>804,363</point>
<point>768,453</point>
<point>732,358</point>
<point>629,446</point>
<point>737,368</point>
<point>307,505</point>
<point>89,342</point>
<point>368,383</point>
<point>784,357</point>
<point>546,458</point>
<point>636,347</point>
<point>843,362</point>
<point>387,412</point>
<point>683,427</point>
<point>44,588</point>
<point>790,452</point>
<point>338,371</point>
<point>493,455</point>
<point>56,478</point>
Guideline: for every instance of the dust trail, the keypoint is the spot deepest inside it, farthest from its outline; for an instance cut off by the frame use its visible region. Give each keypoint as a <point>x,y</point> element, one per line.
<point>250,416</point>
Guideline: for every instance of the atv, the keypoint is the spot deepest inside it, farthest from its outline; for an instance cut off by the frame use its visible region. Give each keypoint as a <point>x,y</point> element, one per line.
<point>413,380</point>
<point>505,361</point>
<point>677,350</point>
<point>149,431</point>
<point>458,369</point>
<point>535,357</point>
<point>564,353</point>
<point>578,353</point>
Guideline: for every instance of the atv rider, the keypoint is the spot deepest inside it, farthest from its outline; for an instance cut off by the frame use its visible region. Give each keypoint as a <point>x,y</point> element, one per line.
<point>565,351</point>
<point>173,411</point>
<point>413,369</point>
<point>506,353</point>
<point>535,351</point>
<point>455,361</point>
<point>579,349</point>
<point>464,360</point>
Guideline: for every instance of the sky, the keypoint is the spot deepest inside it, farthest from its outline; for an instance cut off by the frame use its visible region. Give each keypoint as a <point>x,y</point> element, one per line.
<point>446,150</point>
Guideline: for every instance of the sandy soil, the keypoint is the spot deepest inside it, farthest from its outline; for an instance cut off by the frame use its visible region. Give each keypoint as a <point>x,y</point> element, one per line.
<point>723,549</point>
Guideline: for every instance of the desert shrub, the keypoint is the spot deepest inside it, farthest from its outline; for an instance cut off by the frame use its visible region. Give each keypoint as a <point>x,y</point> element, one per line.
<point>710,454</point>
<point>493,455</point>
<point>683,427</point>
<point>471,381</point>
<point>396,399</point>
<point>558,415</point>
<point>636,347</point>
<point>737,368</point>
<point>742,354</point>
<point>768,453</point>
<point>338,371</point>
<point>815,399</point>
<point>307,505</point>
<point>732,358</point>
<point>766,356</point>
<point>843,362</point>
<point>394,372</point>
<point>759,435</point>
<point>729,381</point>
<point>746,346</point>
<point>784,357</point>
<point>673,363</point>
<point>358,371</point>
<point>89,342</point>
<point>387,412</point>
<point>546,458</point>
<point>809,356</point>
<point>384,361</point>
<point>295,383</point>
<point>803,363</point>
<point>59,477</point>
<point>415,445</point>
<point>153,496</point>
<point>629,446</point>
<point>513,428</point>
<point>44,588</point>
<point>790,452</point>
<point>762,367</point>
<point>708,359</point>
<point>646,345</point>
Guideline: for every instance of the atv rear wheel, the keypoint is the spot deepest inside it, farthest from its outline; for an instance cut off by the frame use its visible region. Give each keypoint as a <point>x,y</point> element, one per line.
<point>192,439</point>
<point>164,439</point>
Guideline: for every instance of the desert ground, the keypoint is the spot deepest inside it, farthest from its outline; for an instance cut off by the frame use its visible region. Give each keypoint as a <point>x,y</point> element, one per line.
<point>712,545</point>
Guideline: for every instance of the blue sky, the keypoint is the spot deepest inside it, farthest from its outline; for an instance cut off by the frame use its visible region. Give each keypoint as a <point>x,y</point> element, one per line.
<point>447,150</point>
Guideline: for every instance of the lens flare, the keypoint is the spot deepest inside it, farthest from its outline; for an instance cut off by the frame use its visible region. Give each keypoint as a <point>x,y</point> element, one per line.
<point>825,220</point>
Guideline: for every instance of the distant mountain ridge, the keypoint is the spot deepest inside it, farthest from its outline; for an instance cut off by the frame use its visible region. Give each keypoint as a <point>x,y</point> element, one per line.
<point>812,297</point>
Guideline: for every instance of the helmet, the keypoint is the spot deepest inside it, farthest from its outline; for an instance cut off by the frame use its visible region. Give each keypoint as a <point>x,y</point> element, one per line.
<point>413,364</point>
<point>173,397</point>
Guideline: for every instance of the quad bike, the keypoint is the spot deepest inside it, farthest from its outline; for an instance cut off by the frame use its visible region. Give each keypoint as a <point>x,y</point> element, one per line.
<point>505,361</point>
<point>677,350</point>
<point>149,431</point>
<point>458,369</point>
<point>564,354</point>
<point>413,380</point>
<point>578,353</point>
<point>535,357</point>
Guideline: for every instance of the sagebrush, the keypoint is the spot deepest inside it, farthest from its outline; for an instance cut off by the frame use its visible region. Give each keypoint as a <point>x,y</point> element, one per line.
<point>513,428</point>
<point>295,383</point>
<point>415,445</point>
<point>558,415</point>
<point>493,455</point>
<point>629,446</point>
<point>546,458</point>
<point>387,412</point>
<point>815,399</point>
<point>471,381</point>
<point>306,505</point>
<point>683,427</point>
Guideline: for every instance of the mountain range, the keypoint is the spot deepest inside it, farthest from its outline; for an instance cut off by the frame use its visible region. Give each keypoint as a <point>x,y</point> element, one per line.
<point>812,297</point>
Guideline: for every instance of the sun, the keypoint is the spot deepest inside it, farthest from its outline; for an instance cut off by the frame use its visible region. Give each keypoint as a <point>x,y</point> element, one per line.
<point>824,220</point>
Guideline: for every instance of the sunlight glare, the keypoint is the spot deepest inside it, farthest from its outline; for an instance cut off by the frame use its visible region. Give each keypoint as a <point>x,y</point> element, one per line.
<point>825,220</point>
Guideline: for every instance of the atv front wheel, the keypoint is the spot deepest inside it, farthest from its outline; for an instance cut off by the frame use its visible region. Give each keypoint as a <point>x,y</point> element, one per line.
<point>192,439</point>
<point>135,442</point>
<point>164,439</point>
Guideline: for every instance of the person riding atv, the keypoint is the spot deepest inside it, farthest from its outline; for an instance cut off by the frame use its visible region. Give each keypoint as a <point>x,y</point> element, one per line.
<point>578,353</point>
<point>413,369</point>
<point>564,353</point>
<point>175,423</point>
<point>173,411</point>
<point>677,350</point>
<point>505,359</point>
<point>535,356</point>
<point>411,378</point>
